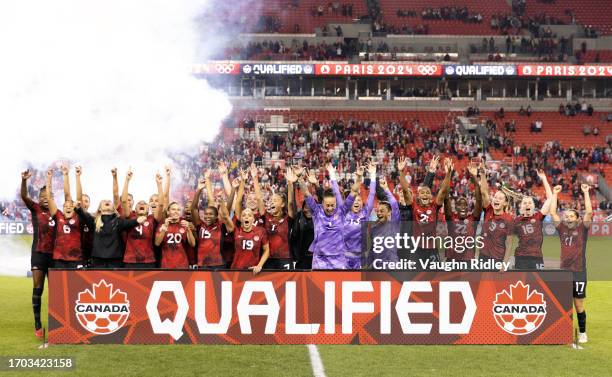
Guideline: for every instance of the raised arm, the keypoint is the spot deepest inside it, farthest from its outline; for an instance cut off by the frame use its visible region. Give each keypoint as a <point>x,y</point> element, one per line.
<point>124,195</point>
<point>224,217</point>
<point>25,175</point>
<point>334,184</point>
<point>243,177</point>
<point>369,204</point>
<point>79,188</point>
<point>484,187</point>
<point>195,203</point>
<point>395,212</point>
<point>432,168</point>
<point>115,188</point>
<point>166,198</point>
<point>406,191</point>
<point>222,169</point>
<point>230,200</point>
<point>52,205</point>
<point>291,179</point>
<point>588,208</point>
<point>356,187</point>
<point>159,211</point>
<point>445,186</point>
<point>473,170</point>
<point>67,195</point>
<point>210,195</point>
<point>553,205</point>
<point>261,207</point>
<point>546,206</point>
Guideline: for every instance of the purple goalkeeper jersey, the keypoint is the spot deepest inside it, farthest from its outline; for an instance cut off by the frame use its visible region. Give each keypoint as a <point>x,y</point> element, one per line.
<point>351,230</point>
<point>328,240</point>
<point>386,229</point>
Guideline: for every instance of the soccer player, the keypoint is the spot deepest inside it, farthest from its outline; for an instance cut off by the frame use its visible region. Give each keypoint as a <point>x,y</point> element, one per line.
<point>42,245</point>
<point>250,241</point>
<point>462,223</point>
<point>139,252</point>
<point>387,225</point>
<point>358,213</point>
<point>278,221</point>
<point>108,246</point>
<point>209,229</point>
<point>174,237</point>
<point>573,233</point>
<point>67,246</point>
<point>328,246</point>
<point>528,227</point>
<point>425,210</point>
<point>86,232</point>
<point>498,223</point>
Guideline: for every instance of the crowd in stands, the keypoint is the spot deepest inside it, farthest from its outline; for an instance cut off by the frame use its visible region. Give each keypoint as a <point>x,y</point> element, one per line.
<point>271,50</point>
<point>576,108</point>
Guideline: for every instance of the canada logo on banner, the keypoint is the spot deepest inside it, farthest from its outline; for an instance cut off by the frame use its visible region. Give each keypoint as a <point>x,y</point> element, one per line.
<point>520,311</point>
<point>102,310</point>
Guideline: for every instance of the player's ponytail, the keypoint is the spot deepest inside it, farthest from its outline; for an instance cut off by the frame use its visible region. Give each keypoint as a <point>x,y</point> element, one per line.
<point>98,220</point>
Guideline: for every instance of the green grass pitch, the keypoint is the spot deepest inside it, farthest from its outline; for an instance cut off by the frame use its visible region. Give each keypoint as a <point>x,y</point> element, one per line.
<point>17,339</point>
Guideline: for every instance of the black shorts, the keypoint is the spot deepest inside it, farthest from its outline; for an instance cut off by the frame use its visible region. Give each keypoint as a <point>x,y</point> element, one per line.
<point>278,264</point>
<point>304,263</point>
<point>58,263</point>
<point>528,263</point>
<point>212,268</point>
<point>41,261</point>
<point>107,263</point>
<point>136,266</point>
<point>579,284</point>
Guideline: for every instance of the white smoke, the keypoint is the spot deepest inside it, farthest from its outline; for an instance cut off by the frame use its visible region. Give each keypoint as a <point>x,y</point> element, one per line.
<point>103,84</point>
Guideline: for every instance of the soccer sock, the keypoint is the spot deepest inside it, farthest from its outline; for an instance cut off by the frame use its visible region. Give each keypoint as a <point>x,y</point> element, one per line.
<point>581,321</point>
<point>36,299</point>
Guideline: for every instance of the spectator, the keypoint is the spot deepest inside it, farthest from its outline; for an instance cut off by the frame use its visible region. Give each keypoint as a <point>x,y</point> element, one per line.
<point>590,110</point>
<point>586,130</point>
<point>595,131</point>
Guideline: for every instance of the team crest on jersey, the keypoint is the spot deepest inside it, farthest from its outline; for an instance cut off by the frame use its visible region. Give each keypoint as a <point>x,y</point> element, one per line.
<point>102,310</point>
<point>182,230</point>
<point>466,221</point>
<point>146,223</point>
<point>532,221</point>
<point>71,221</point>
<point>502,225</point>
<point>85,229</point>
<point>428,212</point>
<point>256,238</point>
<point>519,310</point>
<point>574,233</point>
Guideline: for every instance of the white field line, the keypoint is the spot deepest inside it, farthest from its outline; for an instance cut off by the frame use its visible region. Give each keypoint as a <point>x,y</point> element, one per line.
<point>315,361</point>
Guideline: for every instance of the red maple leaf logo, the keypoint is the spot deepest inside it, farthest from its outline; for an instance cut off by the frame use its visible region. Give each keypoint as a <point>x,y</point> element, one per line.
<point>519,294</point>
<point>102,293</point>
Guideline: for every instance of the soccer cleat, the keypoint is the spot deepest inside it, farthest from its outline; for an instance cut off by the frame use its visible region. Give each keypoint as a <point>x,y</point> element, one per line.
<point>40,333</point>
<point>582,337</point>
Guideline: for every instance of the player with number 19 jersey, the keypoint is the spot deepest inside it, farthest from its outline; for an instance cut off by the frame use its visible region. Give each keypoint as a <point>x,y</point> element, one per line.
<point>139,244</point>
<point>248,247</point>
<point>174,247</point>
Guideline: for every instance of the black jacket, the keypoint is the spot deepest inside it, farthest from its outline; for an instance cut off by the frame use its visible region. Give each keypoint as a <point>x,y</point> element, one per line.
<point>107,243</point>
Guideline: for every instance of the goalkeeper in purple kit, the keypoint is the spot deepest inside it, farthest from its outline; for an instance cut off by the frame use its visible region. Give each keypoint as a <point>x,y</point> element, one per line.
<point>328,246</point>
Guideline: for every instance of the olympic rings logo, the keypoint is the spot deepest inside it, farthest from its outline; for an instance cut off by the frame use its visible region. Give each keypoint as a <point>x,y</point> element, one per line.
<point>427,69</point>
<point>225,68</point>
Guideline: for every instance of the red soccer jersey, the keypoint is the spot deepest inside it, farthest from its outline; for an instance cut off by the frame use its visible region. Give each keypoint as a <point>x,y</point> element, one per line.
<point>44,230</point>
<point>248,246</point>
<point>460,229</point>
<point>424,222</point>
<point>67,238</point>
<point>210,239</point>
<point>495,230</point>
<point>174,247</point>
<point>529,231</point>
<point>278,235</point>
<point>573,247</point>
<point>140,241</point>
